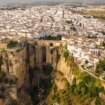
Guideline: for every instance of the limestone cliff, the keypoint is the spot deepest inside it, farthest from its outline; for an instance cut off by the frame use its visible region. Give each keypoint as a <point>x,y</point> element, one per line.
<point>31,67</point>
<point>43,74</point>
<point>71,86</point>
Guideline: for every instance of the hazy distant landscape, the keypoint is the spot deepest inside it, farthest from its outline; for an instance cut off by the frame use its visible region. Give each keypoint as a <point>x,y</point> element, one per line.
<point>4,2</point>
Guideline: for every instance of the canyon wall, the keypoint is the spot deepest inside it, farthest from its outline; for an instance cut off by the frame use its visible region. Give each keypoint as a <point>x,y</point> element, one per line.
<point>43,72</point>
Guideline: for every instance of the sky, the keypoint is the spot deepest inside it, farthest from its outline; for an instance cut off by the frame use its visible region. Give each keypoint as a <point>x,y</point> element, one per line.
<point>26,1</point>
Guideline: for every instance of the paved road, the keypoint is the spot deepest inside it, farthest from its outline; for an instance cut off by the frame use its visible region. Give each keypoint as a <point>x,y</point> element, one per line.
<point>86,70</point>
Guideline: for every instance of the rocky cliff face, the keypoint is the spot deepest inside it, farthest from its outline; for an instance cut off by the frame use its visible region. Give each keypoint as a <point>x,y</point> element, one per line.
<point>69,84</point>
<point>13,78</point>
<point>65,69</point>
<point>24,81</point>
<point>25,73</point>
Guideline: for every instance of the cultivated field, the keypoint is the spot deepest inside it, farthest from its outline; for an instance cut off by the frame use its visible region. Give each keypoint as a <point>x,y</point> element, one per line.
<point>100,14</point>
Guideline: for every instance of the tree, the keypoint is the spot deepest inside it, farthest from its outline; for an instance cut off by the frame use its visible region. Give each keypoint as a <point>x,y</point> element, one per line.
<point>103,44</point>
<point>12,44</point>
<point>68,57</point>
<point>73,86</point>
<point>100,67</point>
<point>86,62</point>
<point>97,101</point>
<point>88,85</point>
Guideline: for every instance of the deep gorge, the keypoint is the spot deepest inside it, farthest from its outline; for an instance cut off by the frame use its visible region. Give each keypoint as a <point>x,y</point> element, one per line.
<point>44,73</point>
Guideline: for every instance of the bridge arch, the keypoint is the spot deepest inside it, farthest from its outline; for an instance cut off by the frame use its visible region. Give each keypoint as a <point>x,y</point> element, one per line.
<point>43,54</point>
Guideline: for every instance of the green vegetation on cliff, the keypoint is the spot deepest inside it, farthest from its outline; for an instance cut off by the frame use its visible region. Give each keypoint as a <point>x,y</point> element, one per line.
<point>100,68</point>
<point>103,44</point>
<point>83,90</point>
<point>12,44</point>
<point>86,89</point>
<point>68,57</point>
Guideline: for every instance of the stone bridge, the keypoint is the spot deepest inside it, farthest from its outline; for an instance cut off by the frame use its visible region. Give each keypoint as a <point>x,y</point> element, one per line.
<point>43,51</point>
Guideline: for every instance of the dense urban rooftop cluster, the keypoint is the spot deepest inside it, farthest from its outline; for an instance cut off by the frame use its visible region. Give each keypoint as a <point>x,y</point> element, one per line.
<point>86,50</point>
<point>51,20</point>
